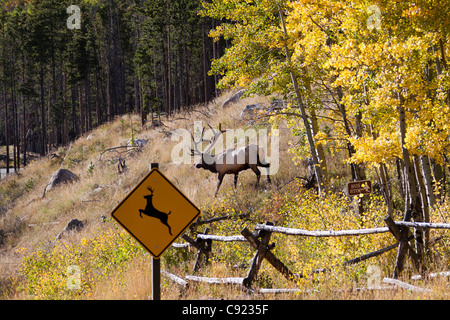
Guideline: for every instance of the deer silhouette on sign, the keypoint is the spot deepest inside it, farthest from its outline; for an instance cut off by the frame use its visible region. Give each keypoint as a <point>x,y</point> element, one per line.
<point>151,211</point>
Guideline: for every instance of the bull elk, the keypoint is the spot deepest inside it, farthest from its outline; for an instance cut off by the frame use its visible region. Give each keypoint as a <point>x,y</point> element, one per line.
<point>230,161</point>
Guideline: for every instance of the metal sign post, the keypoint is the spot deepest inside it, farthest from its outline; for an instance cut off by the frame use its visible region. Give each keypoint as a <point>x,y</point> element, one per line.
<point>156,267</point>
<point>156,279</point>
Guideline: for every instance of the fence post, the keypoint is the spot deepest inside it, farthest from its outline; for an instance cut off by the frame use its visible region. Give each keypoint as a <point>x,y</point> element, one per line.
<point>204,248</point>
<point>191,241</point>
<point>401,234</point>
<point>259,256</point>
<point>269,256</point>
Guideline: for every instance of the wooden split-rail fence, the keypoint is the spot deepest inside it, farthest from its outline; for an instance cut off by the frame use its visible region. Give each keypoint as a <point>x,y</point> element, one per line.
<point>260,241</point>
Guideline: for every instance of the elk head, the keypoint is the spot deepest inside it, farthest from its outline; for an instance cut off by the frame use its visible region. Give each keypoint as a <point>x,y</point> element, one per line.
<point>206,157</point>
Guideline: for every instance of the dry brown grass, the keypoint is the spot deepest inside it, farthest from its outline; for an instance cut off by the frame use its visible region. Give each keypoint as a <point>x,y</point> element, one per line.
<point>31,221</point>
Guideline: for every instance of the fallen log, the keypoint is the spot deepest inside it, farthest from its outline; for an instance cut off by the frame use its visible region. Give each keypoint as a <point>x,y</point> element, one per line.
<point>277,291</point>
<point>405,285</point>
<point>432,275</point>
<point>175,278</point>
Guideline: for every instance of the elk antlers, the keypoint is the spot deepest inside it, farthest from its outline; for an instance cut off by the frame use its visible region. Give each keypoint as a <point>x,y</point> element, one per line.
<point>216,133</point>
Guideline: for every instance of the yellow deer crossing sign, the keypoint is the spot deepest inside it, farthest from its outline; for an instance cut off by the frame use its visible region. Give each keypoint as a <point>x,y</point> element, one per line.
<point>155,213</point>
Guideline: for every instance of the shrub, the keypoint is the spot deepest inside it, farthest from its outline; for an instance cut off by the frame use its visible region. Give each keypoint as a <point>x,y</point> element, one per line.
<point>47,274</point>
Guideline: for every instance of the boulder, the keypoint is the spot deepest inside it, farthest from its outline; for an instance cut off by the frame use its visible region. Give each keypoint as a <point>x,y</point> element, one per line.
<point>72,225</point>
<point>251,110</point>
<point>138,143</point>
<point>234,98</point>
<point>277,104</point>
<point>59,177</point>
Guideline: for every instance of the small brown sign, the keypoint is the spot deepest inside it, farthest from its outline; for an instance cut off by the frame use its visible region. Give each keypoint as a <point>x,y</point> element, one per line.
<point>359,187</point>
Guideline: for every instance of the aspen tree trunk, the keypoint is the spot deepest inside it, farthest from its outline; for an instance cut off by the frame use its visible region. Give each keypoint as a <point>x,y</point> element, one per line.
<point>438,173</point>
<point>215,56</point>
<point>386,190</point>
<point>428,179</point>
<point>315,129</point>
<point>384,183</point>
<point>437,168</point>
<point>401,180</point>
<point>408,174</point>
<point>424,202</point>
<point>358,172</point>
<point>412,201</point>
<point>388,183</point>
<point>312,148</point>
<point>320,152</point>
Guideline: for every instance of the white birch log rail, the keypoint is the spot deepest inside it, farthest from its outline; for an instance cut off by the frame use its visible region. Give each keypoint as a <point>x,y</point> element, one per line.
<point>181,245</point>
<point>423,225</point>
<point>432,275</point>
<point>176,279</point>
<point>216,280</point>
<point>328,233</point>
<point>220,238</point>
<point>355,232</point>
<point>203,243</point>
<point>405,285</point>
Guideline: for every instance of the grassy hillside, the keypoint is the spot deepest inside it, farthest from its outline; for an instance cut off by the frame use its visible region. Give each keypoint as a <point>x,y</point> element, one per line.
<point>35,265</point>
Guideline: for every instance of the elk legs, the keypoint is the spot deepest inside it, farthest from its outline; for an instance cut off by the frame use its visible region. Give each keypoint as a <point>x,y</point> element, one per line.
<point>258,174</point>
<point>219,183</point>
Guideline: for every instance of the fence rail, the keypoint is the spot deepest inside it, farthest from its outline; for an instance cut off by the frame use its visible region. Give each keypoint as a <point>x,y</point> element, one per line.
<point>221,238</point>
<point>328,233</point>
<point>231,280</point>
<point>259,240</point>
<point>423,225</point>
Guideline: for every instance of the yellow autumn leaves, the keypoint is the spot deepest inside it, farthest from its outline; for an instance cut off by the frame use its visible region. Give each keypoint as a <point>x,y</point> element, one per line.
<point>46,273</point>
<point>333,47</point>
